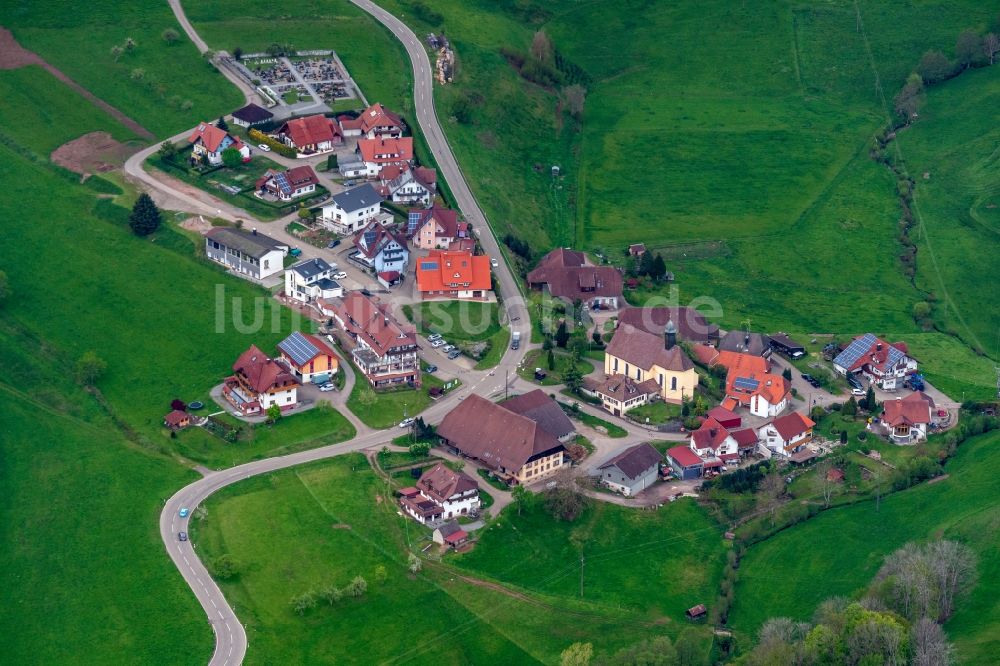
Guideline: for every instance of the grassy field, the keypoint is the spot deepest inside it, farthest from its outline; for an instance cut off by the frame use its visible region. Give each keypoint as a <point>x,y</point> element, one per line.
<point>329,522</point>
<point>954,144</point>
<point>844,548</point>
<point>177,88</point>
<point>386,408</point>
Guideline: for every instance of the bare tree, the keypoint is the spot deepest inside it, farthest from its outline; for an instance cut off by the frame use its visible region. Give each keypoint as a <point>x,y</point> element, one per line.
<point>968,46</point>
<point>929,644</point>
<point>541,47</point>
<point>954,568</point>
<point>991,46</point>
<point>782,630</point>
<point>823,472</point>
<point>910,98</point>
<point>771,489</point>
<point>576,96</point>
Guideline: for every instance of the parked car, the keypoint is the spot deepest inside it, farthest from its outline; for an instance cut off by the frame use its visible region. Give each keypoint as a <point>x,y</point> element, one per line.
<point>327,387</point>
<point>334,243</point>
<point>184,512</point>
<point>406,423</point>
<point>263,146</point>
<point>446,348</point>
<point>434,336</point>
<point>182,536</point>
<point>453,354</point>
<point>348,183</point>
<point>340,275</point>
<point>295,252</point>
<point>438,343</point>
<point>812,381</point>
<point>431,368</point>
<point>858,391</point>
<point>494,263</point>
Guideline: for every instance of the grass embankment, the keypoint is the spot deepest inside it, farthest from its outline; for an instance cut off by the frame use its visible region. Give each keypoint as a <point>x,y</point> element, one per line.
<point>839,551</point>
<point>329,522</point>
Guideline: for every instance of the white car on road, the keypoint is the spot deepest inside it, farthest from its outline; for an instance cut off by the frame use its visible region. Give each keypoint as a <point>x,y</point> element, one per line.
<point>434,336</point>
<point>494,263</point>
<point>447,348</point>
<point>438,343</point>
<point>406,423</point>
<point>340,276</point>
<point>263,146</point>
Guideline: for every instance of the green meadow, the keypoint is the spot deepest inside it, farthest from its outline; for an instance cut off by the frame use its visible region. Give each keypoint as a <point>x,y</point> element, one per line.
<point>839,551</point>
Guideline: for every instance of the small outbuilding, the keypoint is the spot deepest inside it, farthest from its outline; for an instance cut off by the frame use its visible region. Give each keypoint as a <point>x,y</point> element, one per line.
<point>177,420</point>
<point>449,534</point>
<point>633,470</point>
<point>251,115</point>
<point>696,612</point>
<point>687,463</point>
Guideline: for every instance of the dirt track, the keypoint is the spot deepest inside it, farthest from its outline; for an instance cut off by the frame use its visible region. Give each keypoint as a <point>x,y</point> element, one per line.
<point>14,56</point>
<point>96,152</point>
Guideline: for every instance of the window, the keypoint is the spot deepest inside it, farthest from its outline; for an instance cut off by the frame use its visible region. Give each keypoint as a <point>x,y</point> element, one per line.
<point>616,365</point>
<point>673,383</point>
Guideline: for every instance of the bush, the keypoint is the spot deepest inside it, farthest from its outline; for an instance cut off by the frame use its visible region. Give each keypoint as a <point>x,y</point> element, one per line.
<point>226,567</point>
<point>275,145</point>
<point>564,503</point>
<point>357,587</point>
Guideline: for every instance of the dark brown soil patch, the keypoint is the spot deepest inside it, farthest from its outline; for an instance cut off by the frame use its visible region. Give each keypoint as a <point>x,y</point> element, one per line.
<point>96,152</point>
<point>13,56</point>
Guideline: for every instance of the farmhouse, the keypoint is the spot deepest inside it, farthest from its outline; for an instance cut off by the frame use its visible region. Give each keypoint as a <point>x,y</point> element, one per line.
<point>514,447</point>
<point>208,143</point>
<point>907,418</point>
<point>686,463</point>
<point>744,342</point>
<point>405,185</point>
<point>640,355</point>
<point>441,494</point>
<point>633,470</point>
<point>786,434</point>
<point>258,382</point>
<point>386,353</point>
<point>435,228</point>
<point>569,276</point>
<point>381,250</point>
<point>245,253</point>
<point>712,440</point>
<point>311,135</point>
<point>308,357</point>
<point>350,210</point>
<point>544,411</point>
<point>460,275</point>
<point>764,394</point>
<point>375,121</point>
<point>619,393</point>
<point>691,325</point>
<point>883,364</point>
<point>311,279</point>
<point>287,185</point>
<point>177,420</point>
<point>382,152</point>
<point>251,115</point>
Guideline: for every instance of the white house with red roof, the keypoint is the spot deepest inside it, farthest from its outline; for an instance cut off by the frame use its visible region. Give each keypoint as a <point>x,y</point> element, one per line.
<point>381,152</point>
<point>882,363</point>
<point>385,351</point>
<point>208,142</point>
<point>311,135</point>
<point>785,435</point>
<point>750,385</point>
<point>287,185</point>
<point>375,121</point>
<point>906,419</point>
<point>402,184</point>
<point>441,494</point>
<point>460,275</point>
<point>258,382</point>
<point>713,440</point>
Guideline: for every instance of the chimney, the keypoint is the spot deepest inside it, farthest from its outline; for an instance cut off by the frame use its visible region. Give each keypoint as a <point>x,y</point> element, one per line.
<point>712,432</point>
<point>669,334</point>
<point>878,347</point>
<point>255,231</point>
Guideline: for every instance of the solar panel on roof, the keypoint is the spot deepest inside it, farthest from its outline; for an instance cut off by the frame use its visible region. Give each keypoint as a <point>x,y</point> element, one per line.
<point>429,266</point>
<point>855,350</point>
<point>370,236</point>
<point>412,221</point>
<point>746,383</point>
<point>298,348</point>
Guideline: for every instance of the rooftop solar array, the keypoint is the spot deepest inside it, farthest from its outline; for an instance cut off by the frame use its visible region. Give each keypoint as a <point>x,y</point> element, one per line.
<point>298,348</point>
<point>281,180</point>
<point>428,266</point>
<point>856,350</point>
<point>746,384</point>
<point>413,221</point>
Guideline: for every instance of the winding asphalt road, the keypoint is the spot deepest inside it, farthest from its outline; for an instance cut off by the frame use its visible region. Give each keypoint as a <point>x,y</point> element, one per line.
<point>230,636</point>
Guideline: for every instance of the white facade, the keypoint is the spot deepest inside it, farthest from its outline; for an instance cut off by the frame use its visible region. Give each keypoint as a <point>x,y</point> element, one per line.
<point>282,398</point>
<point>728,446</point>
<point>306,290</point>
<point>759,406</point>
<point>345,222</point>
<point>215,159</point>
<point>776,444</point>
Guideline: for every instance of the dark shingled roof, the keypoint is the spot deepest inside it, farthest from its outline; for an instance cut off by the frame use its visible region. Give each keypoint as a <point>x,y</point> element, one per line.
<point>543,410</point>
<point>251,113</point>
<point>356,198</point>
<point>643,350</point>
<point>494,435</point>
<point>691,324</point>
<point>745,343</point>
<point>567,275</point>
<point>249,243</point>
<point>635,461</point>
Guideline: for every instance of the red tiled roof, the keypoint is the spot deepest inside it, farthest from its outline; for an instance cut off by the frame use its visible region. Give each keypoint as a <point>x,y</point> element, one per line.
<point>567,276</point>
<point>383,236</point>
<point>371,321</point>
<point>443,270</point>
<point>644,350</point>
<point>457,537</point>
<point>710,435</point>
<point>772,388</point>
<point>911,410</point>
<point>446,219</point>
<point>260,372</point>
<point>791,425</point>
<point>745,438</point>
<point>175,418</point>
<point>211,137</point>
<point>310,130</point>
<point>691,324</point>
<point>721,414</point>
<point>386,150</point>
<point>374,116</point>
<point>684,456</point>
<point>441,483</point>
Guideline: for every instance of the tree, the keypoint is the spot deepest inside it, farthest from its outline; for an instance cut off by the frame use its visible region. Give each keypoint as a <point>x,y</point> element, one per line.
<point>130,44</point>
<point>934,66</point>
<point>658,651</point>
<point>413,564</point>
<point>167,151</point>
<point>953,566</point>
<point>238,53</point>
<point>562,335</point>
<point>137,74</point>
<point>420,449</point>
<point>823,470</point>
<point>357,587</point>
<point>575,96</point>
<point>968,48</point>
<point>771,490</point>
<point>596,337</point>
<point>231,158</point>
<point>222,124</point>
<point>89,368</point>
<point>787,374</point>
<point>170,36</point>
<point>303,602</point>
<point>659,267</point>
<point>145,217</point>
<point>578,346</point>
<point>273,414</point>
<point>116,52</point>
<point>367,397</point>
<point>523,498</point>
<point>843,437</point>
<point>304,213</point>
<point>226,566</point>
<point>646,264</point>
<point>541,48</point>
<point>690,650</point>
<point>4,286</point>
<point>551,361</point>
<point>573,378</point>
<point>564,502</point>
<point>577,654</point>
<point>930,646</point>
<point>870,403</point>
<point>547,343</point>
<point>991,46</point>
<point>332,594</point>
<point>910,98</point>
<point>850,407</point>
<point>381,574</point>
